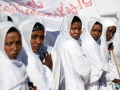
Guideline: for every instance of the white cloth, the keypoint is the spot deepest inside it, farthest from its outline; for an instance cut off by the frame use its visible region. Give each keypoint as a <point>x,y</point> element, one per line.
<point>76,67</point>
<point>16,17</point>
<point>3,17</point>
<point>13,75</point>
<point>56,63</point>
<point>55,57</point>
<point>116,42</point>
<point>93,53</point>
<point>35,69</point>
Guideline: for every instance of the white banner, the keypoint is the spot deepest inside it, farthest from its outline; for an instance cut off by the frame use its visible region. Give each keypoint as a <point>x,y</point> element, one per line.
<point>51,11</point>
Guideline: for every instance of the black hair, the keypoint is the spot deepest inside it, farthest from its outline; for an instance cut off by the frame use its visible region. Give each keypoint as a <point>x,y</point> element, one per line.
<point>76,19</point>
<point>9,18</point>
<point>38,26</point>
<point>98,23</point>
<point>12,29</point>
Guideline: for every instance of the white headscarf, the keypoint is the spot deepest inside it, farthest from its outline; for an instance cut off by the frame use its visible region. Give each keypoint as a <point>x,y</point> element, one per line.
<point>92,50</point>
<point>16,17</point>
<point>104,43</point>
<point>49,38</point>
<point>35,69</point>
<point>76,67</point>
<point>12,72</point>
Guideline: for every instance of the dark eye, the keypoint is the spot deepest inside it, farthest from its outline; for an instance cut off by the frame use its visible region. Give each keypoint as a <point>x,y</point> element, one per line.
<point>19,42</point>
<point>80,29</point>
<point>99,30</point>
<point>34,37</point>
<point>73,29</point>
<point>93,30</point>
<point>8,44</point>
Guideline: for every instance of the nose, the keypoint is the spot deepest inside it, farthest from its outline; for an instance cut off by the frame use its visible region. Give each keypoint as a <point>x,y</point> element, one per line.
<point>96,33</point>
<point>39,41</point>
<point>77,31</point>
<point>15,47</point>
<point>111,35</point>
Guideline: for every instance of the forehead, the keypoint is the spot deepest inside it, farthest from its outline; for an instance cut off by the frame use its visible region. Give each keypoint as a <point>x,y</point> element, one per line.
<point>13,35</point>
<point>76,24</point>
<point>112,28</point>
<point>97,26</point>
<point>38,32</point>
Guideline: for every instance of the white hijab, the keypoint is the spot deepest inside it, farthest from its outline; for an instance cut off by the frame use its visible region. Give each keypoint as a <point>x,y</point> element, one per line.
<point>16,17</point>
<point>12,72</point>
<point>92,50</point>
<point>35,69</point>
<point>104,43</point>
<point>76,67</point>
<point>49,38</point>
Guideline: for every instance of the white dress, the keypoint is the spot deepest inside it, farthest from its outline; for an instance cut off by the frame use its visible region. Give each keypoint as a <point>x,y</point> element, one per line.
<point>75,65</point>
<point>36,71</point>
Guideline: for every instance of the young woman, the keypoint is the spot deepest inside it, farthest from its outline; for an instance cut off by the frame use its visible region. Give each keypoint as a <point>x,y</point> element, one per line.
<point>89,38</point>
<point>106,45</point>
<point>33,35</point>
<point>13,74</point>
<point>75,64</point>
<point>43,50</point>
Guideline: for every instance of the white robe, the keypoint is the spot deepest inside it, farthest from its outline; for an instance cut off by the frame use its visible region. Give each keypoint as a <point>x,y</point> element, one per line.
<point>55,56</point>
<point>75,65</point>
<point>13,74</point>
<point>35,69</point>
<point>93,53</point>
<point>111,73</point>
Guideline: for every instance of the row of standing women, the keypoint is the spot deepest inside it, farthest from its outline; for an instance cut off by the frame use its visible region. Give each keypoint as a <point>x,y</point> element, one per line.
<point>80,59</point>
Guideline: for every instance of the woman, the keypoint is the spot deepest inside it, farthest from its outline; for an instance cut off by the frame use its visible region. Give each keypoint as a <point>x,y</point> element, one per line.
<point>76,67</point>
<point>89,39</point>
<point>38,74</point>
<point>106,45</point>
<point>12,71</point>
<point>56,67</point>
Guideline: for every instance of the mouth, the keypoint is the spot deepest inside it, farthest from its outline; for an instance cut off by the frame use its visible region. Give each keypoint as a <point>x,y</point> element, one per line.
<point>96,38</point>
<point>76,37</point>
<point>36,48</point>
<point>14,55</point>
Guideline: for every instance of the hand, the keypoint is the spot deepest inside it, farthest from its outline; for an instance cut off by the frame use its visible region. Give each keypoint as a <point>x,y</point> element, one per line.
<point>48,60</point>
<point>32,88</point>
<point>117,81</point>
<point>110,47</point>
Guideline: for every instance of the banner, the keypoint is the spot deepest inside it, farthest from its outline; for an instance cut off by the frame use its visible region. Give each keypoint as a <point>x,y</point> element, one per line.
<point>51,11</point>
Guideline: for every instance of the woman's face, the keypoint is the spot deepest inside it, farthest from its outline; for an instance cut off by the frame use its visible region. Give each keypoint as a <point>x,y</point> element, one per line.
<point>37,39</point>
<point>96,31</point>
<point>75,30</point>
<point>111,30</point>
<point>13,44</point>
